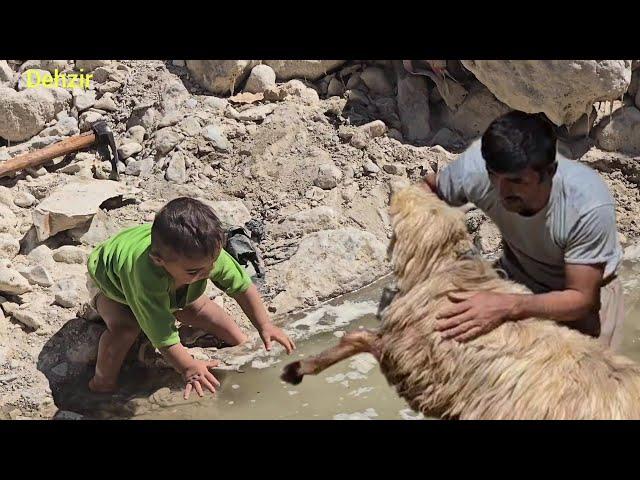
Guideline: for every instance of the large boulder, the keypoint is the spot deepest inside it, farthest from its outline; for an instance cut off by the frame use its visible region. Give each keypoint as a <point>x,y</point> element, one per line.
<point>307,69</point>
<point>220,76</point>
<point>563,90</point>
<point>62,211</point>
<point>620,132</point>
<point>329,263</point>
<point>24,114</point>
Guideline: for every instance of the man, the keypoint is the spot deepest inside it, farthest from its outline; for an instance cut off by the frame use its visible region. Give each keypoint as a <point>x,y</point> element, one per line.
<point>557,220</point>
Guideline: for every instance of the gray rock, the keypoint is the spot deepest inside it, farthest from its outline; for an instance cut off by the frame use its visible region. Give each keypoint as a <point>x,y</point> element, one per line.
<point>307,221</point>
<point>220,76</point>
<point>261,78</point>
<point>413,108</point>
<point>563,90</point>
<point>128,149</point>
<point>61,210</point>
<point>335,88</point>
<point>7,75</point>
<point>6,196</point>
<point>87,119</point>
<point>37,275</point>
<point>632,253</point>
<point>308,69</point>
<point>169,119</point>
<point>190,126</point>
<point>370,168</point>
<point>144,115</point>
<point>100,229</point>
<point>133,168</point>
<point>70,254</point>
<point>9,246</point>
<point>165,140</point>
<point>42,255</point>
<point>174,95</point>
<point>620,132</point>
<point>214,134</point>
<point>218,104</point>
<point>177,169</point>
<point>146,166</point>
<point>230,212</point>
<point>136,133</point>
<point>366,132</point>
<point>297,89</point>
<point>28,317</point>
<point>70,292</point>
<point>24,199</point>
<point>447,138</point>
<point>8,220</point>
<point>329,263</point>
<point>377,81</point>
<point>90,65</point>
<point>66,126</point>
<point>107,103</point>
<point>12,282</point>
<point>328,176</point>
<point>24,114</point>
<point>109,87</point>
<point>476,113</point>
<point>394,168</point>
<point>84,101</point>
<point>256,114</point>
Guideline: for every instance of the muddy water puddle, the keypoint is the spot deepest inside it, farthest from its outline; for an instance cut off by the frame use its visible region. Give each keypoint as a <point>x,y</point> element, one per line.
<point>353,389</point>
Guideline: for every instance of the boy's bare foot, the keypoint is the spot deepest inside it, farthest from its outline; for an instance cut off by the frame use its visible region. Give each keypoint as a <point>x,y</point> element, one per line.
<point>101,387</point>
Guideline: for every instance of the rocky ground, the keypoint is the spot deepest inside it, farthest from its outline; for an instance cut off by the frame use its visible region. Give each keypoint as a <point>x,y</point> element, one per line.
<point>309,164</point>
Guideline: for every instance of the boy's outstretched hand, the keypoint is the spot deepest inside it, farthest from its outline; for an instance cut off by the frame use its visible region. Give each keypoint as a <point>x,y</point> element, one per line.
<point>198,376</point>
<point>271,332</point>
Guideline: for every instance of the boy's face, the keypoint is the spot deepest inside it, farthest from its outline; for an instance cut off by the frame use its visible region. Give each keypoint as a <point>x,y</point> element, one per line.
<point>184,270</point>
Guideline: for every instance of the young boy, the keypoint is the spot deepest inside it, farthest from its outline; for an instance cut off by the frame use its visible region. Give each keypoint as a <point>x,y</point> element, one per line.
<point>148,276</point>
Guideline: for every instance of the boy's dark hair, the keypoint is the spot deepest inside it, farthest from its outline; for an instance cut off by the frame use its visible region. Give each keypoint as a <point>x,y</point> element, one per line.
<point>187,227</point>
<point>518,140</point>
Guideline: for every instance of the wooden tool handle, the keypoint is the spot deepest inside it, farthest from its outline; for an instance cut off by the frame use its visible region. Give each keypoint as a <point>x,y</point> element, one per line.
<point>40,157</point>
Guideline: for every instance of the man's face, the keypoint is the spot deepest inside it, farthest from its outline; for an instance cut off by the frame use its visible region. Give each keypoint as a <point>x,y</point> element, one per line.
<point>522,192</point>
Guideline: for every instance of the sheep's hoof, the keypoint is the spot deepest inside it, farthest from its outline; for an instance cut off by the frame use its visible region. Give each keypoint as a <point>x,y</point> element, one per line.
<point>292,373</point>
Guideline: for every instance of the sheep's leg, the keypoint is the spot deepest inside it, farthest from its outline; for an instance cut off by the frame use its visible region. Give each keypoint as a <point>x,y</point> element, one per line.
<point>352,343</point>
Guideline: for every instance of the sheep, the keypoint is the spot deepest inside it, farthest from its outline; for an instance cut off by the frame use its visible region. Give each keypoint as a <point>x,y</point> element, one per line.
<point>530,369</point>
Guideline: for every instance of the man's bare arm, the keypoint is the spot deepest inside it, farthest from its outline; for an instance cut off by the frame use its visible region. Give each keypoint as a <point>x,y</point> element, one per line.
<point>580,297</point>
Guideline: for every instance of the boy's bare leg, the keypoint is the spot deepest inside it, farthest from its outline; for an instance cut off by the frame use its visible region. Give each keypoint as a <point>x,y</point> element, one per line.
<point>115,342</point>
<point>207,315</point>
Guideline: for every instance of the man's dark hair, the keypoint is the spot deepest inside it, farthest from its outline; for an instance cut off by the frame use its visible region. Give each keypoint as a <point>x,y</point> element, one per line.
<point>518,140</point>
<point>187,227</point>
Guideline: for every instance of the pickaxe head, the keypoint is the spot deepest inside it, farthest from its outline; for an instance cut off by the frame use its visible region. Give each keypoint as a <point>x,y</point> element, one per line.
<point>105,141</point>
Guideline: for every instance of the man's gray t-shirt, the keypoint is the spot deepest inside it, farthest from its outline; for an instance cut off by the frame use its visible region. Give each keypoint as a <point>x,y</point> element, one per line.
<point>577,226</point>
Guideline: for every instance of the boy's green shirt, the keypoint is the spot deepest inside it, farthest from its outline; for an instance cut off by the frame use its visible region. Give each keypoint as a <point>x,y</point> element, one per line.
<point>123,271</point>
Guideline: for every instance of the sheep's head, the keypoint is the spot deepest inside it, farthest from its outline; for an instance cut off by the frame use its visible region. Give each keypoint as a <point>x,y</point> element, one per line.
<point>427,234</point>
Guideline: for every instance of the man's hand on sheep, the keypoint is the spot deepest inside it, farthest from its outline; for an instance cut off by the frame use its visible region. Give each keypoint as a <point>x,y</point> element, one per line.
<point>469,318</point>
